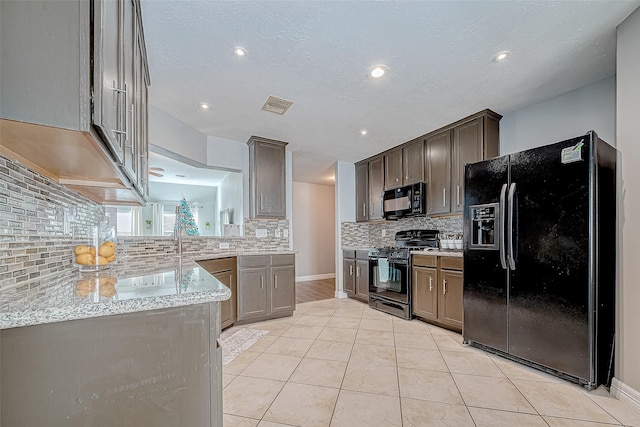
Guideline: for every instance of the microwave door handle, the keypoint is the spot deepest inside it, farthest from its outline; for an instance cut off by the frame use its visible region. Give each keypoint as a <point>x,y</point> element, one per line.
<point>503,196</point>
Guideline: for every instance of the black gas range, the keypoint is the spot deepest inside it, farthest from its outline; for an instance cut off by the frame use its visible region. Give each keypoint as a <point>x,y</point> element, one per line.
<point>390,271</point>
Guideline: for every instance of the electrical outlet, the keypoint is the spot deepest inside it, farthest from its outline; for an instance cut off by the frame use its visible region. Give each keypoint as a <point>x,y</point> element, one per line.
<point>277,232</point>
<point>224,245</point>
<point>261,232</point>
<point>286,232</point>
<point>384,232</point>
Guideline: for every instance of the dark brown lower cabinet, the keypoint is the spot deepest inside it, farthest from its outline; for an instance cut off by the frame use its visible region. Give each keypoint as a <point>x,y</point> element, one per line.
<point>355,273</point>
<point>266,287</point>
<point>224,269</point>
<point>437,290</point>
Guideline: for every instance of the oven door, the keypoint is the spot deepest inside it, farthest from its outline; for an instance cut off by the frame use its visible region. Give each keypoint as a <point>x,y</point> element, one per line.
<point>389,279</point>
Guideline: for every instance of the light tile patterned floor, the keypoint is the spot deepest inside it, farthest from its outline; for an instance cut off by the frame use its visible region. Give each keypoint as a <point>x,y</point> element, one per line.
<point>340,363</point>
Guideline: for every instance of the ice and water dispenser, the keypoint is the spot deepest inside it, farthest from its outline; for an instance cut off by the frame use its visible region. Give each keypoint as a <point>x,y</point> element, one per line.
<point>485,226</point>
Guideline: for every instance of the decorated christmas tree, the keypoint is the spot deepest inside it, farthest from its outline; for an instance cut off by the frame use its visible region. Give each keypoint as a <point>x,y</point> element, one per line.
<point>185,219</point>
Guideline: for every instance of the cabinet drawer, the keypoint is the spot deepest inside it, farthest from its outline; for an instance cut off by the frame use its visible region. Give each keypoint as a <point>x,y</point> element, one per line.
<point>253,260</point>
<point>424,261</point>
<point>217,265</point>
<point>362,255</point>
<point>451,263</point>
<point>348,253</point>
<point>282,260</point>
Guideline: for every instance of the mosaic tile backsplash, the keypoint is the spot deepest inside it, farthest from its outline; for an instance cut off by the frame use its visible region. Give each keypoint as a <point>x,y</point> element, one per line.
<point>41,221</point>
<point>366,235</point>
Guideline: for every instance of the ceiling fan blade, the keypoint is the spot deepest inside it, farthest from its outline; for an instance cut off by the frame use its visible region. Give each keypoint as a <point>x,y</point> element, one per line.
<point>156,169</point>
<point>155,173</point>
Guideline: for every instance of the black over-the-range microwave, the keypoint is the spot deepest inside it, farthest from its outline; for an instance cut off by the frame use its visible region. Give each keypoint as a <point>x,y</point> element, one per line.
<point>405,201</point>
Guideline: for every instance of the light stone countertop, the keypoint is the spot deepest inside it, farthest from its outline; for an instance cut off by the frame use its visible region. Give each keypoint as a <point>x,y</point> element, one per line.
<point>438,252</point>
<point>72,295</point>
<point>134,284</point>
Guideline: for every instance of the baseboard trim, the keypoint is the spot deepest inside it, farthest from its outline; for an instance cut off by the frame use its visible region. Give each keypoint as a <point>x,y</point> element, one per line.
<point>341,294</point>
<point>316,277</point>
<point>626,393</point>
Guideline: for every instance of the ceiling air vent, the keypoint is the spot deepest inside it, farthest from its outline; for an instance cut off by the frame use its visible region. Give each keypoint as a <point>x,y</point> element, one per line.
<point>277,105</point>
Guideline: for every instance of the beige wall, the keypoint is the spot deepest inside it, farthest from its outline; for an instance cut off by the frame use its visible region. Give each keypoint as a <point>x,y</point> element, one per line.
<point>314,228</point>
<point>628,142</point>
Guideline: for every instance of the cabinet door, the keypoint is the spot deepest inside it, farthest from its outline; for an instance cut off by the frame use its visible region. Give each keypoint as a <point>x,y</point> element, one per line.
<point>140,120</point>
<point>269,180</point>
<point>467,148</point>
<point>376,187</point>
<point>362,191</point>
<point>413,162</point>
<point>283,289</point>
<point>438,173</point>
<point>227,308</point>
<point>362,279</point>
<point>252,293</point>
<point>127,115</point>
<point>450,304</point>
<point>393,169</point>
<point>424,293</point>
<point>108,67</point>
<point>349,275</point>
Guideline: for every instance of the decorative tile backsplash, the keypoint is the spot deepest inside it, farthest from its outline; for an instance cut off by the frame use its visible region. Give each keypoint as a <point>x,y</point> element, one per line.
<point>41,221</point>
<point>38,221</point>
<point>369,234</point>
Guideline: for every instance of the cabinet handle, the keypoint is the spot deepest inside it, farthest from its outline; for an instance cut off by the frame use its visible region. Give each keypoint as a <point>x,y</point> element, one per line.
<point>261,205</point>
<point>364,209</point>
<point>397,179</point>
<point>406,177</point>
<point>351,270</point>
<point>430,284</point>
<point>358,271</point>
<point>275,281</point>
<point>121,91</point>
<point>132,128</point>
<point>444,197</point>
<point>458,195</point>
<point>261,282</point>
<point>444,286</point>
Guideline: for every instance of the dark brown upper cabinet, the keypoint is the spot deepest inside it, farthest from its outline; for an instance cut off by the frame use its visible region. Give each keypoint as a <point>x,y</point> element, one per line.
<point>413,162</point>
<point>473,141</point>
<point>267,172</point>
<point>393,169</point>
<point>438,167</point>
<point>362,192</point>
<point>376,187</point>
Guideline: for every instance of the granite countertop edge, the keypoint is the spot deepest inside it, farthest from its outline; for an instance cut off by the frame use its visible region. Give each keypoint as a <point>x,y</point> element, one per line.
<point>85,311</point>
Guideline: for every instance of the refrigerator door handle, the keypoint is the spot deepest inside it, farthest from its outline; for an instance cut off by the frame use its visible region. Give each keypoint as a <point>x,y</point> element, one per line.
<point>503,202</point>
<point>512,261</point>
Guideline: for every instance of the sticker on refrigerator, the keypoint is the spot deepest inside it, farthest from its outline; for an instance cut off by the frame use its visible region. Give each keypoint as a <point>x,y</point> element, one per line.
<point>573,153</point>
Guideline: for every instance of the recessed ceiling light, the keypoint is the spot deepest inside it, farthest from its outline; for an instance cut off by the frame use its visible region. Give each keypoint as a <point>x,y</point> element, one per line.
<point>501,56</point>
<point>205,106</point>
<point>239,51</point>
<point>363,132</point>
<point>378,71</point>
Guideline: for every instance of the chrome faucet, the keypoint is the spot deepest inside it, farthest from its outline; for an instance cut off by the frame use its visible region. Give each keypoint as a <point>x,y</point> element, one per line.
<point>177,230</point>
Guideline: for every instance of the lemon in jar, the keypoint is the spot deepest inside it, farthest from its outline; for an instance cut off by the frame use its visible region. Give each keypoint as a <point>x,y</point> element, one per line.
<point>85,259</point>
<point>81,249</point>
<point>106,250</point>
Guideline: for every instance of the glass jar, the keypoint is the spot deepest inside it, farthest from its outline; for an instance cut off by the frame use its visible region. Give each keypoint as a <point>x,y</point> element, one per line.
<point>98,251</point>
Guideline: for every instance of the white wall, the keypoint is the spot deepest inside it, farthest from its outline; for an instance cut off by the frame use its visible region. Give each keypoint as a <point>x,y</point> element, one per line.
<point>628,140</point>
<point>345,190</point>
<point>590,107</point>
<point>167,132</point>
<point>314,229</point>
<point>230,196</point>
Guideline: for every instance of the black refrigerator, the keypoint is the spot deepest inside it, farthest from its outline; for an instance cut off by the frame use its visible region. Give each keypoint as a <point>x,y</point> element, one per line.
<point>540,258</point>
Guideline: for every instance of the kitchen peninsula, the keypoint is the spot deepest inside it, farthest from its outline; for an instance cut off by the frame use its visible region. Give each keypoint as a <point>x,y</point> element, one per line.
<point>119,347</point>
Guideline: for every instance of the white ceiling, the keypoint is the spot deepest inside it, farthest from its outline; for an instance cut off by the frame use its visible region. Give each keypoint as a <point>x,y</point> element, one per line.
<point>179,172</point>
<point>317,54</point>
